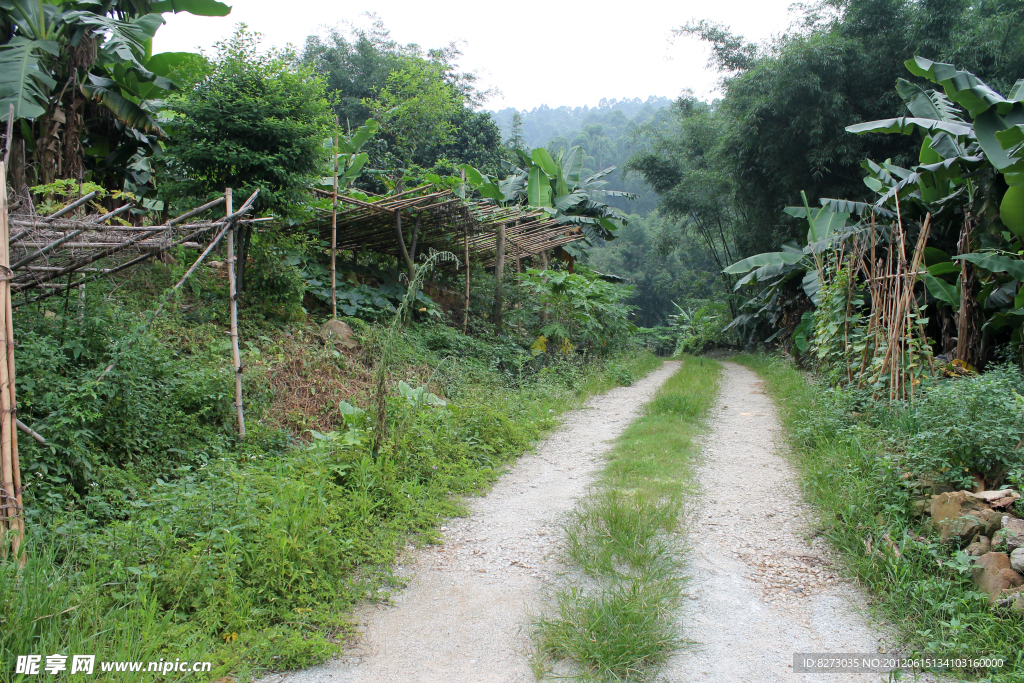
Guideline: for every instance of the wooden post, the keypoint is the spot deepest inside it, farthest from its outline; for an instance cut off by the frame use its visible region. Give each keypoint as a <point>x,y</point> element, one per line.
<point>465,310</point>
<point>11,518</point>
<point>519,269</point>
<point>465,243</point>
<point>499,272</point>
<point>334,237</point>
<point>236,357</point>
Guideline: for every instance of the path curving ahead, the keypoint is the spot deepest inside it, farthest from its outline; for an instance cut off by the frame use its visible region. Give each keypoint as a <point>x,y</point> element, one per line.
<point>762,585</point>
<point>464,616</point>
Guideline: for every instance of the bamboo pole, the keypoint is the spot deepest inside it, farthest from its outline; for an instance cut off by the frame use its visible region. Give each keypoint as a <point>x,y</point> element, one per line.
<point>465,310</point>
<point>236,357</point>
<point>499,272</point>
<point>10,498</point>
<point>334,240</point>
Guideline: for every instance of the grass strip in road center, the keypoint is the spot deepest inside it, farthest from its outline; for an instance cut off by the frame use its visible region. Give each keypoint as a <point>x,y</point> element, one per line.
<point>615,615</point>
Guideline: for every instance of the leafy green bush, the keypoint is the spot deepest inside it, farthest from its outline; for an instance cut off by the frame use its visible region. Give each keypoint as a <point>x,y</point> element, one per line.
<point>155,411</point>
<point>971,425</point>
<point>702,328</point>
<point>275,279</point>
<point>566,310</point>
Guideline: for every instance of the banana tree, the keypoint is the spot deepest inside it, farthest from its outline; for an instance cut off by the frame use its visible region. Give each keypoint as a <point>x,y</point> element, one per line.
<point>63,59</point>
<point>970,177</point>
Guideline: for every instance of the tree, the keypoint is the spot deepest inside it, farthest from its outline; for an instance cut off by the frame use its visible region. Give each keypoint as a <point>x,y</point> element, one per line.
<point>368,72</point>
<point>787,102</point>
<point>257,121</point>
<point>416,106</point>
<point>684,163</point>
<point>515,141</point>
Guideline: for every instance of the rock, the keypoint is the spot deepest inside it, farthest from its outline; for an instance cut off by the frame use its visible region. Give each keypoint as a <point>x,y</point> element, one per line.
<point>993,522</point>
<point>989,496</point>
<point>921,507</point>
<point>340,333</point>
<point>1017,560</point>
<point>953,505</point>
<point>980,546</point>
<point>1001,499</point>
<point>1011,535</point>
<point>992,574</point>
<point>962,530</point>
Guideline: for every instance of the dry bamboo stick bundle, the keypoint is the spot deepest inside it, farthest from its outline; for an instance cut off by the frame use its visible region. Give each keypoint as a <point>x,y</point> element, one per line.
<point>236,357</point>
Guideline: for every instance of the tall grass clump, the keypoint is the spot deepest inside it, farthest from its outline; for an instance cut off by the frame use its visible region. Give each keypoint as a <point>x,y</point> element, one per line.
<point>864,464</point>
<point>615,616</point>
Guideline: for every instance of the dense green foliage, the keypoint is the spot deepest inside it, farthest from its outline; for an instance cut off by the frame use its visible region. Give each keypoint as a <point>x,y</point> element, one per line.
<point>864,462</point>
<point>256,121</point>
<point>788,102</point>
<point>426,103</point>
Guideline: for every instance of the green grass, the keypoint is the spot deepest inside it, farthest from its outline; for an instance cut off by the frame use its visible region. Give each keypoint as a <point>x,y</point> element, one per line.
<point>846,467</point>
<point>616,617</point>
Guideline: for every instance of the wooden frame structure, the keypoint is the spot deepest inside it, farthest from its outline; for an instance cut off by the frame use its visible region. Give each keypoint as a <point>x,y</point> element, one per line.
<point>444,221</point>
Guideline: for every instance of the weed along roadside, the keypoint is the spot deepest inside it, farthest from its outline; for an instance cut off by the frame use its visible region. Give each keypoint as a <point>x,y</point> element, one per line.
<point>614,615</point>
<point>933,573</point>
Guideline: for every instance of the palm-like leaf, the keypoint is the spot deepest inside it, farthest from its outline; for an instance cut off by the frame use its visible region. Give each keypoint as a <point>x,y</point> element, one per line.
<point>25,82</point>
<point>107,92</point>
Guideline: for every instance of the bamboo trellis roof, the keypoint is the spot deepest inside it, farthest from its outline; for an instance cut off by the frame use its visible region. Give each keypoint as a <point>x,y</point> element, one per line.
<point>58,252</point>
<point>445,222</point>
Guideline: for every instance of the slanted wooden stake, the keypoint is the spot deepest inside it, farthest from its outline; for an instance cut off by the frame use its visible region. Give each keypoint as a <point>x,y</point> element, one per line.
<point>334,237</point>
<point>236,357</point>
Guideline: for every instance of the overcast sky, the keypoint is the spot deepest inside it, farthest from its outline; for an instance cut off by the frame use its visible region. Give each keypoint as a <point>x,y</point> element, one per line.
<point>554,53</point>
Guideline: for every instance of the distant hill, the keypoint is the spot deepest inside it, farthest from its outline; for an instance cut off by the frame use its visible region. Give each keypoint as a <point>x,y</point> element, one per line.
<point>605,132</point>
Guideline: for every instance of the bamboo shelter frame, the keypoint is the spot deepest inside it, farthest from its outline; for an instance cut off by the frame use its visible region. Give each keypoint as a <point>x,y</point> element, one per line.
<point>440,220</point>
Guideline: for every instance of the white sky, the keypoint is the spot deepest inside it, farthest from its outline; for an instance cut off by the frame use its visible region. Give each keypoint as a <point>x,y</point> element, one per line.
<point>555,53</point>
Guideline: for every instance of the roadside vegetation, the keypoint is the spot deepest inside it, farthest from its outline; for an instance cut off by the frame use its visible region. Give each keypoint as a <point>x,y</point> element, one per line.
<point>614,615</point>
<point>864,464</point>
<point>154,531</point>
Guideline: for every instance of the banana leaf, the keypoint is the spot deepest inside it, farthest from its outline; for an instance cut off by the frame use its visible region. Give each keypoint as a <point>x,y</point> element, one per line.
<point>24,81</point>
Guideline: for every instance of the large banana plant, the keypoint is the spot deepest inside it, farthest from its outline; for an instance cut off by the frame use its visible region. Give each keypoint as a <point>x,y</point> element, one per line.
<point>556,185</point>
<point>60,52</point>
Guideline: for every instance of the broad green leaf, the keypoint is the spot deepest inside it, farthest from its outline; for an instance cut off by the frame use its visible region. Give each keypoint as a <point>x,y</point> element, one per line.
<point>538,187</point>
<point>927,104</point>
<point>942,290</point>
<point>106,92</point>
<point>24,80</point>
<point>987,125</point>
<point>996,263</point>
<point>962,87</point>
<point>768,259</point>
<point>542,158</point>
<point>162,64</point>
<point>933,255</point>
<point>944,268</point>
<point>907,125</point>
<point>202,8</point>
<point>812,286</point>
<point>572,167</point>
<point>1011,210</point>
<point>567,201</point>
<point>473,176</point>
<point>362,134</point>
